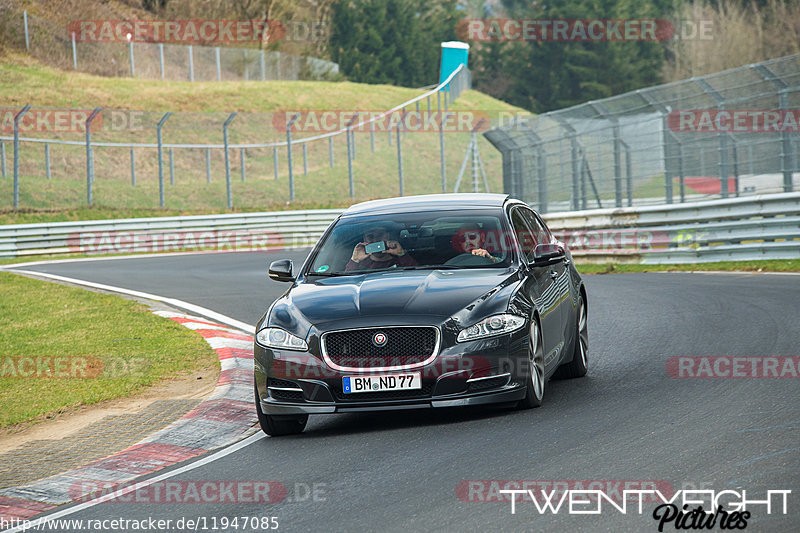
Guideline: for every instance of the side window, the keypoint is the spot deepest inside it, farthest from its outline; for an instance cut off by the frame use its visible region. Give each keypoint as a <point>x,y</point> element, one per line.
<point>540,232</point>
<point>525,236</point>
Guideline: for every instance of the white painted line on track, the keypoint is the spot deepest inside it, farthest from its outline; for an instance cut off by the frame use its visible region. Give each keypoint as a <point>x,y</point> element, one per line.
<point>196,309</point>
<point>150,255</point>
<point>38,523</point>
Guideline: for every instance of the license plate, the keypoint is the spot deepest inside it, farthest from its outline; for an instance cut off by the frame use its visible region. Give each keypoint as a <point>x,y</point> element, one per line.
<point>378,383</point>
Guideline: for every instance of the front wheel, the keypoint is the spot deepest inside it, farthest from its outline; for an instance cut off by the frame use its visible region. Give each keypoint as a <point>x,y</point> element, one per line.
<point>275,426</point>
<point>579,364</point>
<point>534,384</point>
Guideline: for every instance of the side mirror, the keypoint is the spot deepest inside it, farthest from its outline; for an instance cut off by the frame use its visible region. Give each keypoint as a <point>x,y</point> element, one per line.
<point>281,270</point>
<point>546,254</point>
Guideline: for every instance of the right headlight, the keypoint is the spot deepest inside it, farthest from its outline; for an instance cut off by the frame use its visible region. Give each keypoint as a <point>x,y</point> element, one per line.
<point>491,326</point>
<point>278,338</point>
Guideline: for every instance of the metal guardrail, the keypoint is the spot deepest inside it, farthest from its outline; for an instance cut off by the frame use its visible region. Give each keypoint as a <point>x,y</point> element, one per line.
<point>759,227</point>
<point>762,227</point>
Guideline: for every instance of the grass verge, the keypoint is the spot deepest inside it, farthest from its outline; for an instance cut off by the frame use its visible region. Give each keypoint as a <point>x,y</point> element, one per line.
<point>65,347</point>
<point>773,265</point>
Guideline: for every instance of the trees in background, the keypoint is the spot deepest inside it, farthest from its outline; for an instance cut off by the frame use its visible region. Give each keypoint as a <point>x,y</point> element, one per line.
<point>391,41</point>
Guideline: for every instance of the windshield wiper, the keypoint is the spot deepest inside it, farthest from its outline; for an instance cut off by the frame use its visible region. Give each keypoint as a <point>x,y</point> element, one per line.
<point>429,267</point>
<point>330,274</point>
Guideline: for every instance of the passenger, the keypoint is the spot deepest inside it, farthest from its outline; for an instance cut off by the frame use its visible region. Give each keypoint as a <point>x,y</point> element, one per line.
<point>394,255</point>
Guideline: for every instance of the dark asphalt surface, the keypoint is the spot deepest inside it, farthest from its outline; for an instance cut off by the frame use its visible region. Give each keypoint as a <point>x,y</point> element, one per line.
<point>626,420</point>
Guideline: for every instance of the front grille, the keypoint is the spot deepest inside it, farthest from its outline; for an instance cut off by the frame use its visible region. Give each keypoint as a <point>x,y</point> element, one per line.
<point>354,349</point>
<point>424,392</point>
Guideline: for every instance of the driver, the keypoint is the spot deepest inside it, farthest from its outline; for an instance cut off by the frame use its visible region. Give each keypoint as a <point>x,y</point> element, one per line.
<point>470,239</point>
<point>394,255</point>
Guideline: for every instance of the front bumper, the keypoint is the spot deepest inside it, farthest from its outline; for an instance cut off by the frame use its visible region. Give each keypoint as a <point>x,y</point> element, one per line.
<point>481,372</point>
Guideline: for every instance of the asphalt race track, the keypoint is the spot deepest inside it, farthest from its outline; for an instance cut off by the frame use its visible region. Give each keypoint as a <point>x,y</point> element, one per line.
<point>628,419</point>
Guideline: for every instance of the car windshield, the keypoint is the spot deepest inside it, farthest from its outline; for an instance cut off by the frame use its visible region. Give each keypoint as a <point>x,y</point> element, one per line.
<point>418,241</point>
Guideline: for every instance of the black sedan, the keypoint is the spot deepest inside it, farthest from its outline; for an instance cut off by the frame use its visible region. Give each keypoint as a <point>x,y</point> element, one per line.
<point>421,302</point>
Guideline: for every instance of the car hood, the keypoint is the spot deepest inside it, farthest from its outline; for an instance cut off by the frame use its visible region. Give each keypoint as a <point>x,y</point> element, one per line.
<point>441,293</point>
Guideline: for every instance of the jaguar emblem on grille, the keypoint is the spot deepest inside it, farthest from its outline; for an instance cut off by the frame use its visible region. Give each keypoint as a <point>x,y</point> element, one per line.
<point>379,339</point>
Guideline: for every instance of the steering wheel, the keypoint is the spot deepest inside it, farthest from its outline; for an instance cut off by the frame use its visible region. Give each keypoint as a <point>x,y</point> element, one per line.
<point>469,260</point>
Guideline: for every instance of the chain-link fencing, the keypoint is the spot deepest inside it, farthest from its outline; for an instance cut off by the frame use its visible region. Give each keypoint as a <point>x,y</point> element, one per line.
<point>728,134</point>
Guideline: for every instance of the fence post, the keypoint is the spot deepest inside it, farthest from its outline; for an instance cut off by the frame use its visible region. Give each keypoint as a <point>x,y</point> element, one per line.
<point>171,168</point>
<point>47,160</point>
<point>241,163</point>
<point>133,169</point>
<point>289,154</point>
<point>263,67</point>
<point>3,159</point>
<point>74,53</point>
<point>161,58</point>
<point>617,165</point>
<point>17,118</point>
<point>441,140</point>
<point>629,174</point>
<point>786,145</point>
<point>246,65</point>
<point>681,172</point>
<point>305,159</point>
<point>400,153</point>
<point>574,155</point>
<point>350,155</point>
<point>227,159</point>
<point>90,155</point>
<point>130,59</point>
<point>219,65</point>
<point>191,63</point>
<point>735,150</point>
<point>27,38</point>
<point>161,158</point>
<point>371,137</point>
<point>330,150</point>
<point>275,161</point>
<point>208,165</point>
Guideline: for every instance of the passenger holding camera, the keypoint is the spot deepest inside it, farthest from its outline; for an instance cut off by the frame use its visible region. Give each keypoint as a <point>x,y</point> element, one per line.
<point>378,251</point>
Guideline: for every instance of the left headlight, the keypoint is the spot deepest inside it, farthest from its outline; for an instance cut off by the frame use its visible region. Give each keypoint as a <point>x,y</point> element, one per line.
<point>278,338</point>
<point>491,326</point>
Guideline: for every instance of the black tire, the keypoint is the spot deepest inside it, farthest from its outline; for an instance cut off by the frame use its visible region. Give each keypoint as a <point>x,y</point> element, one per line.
<point>577,367</point>
<point>275,426</point>
<point>534,381</point>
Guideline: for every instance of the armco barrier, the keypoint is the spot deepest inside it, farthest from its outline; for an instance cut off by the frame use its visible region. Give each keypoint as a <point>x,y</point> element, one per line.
<point>740,229</point>
<point>239,232</point>
<point>757,227</point>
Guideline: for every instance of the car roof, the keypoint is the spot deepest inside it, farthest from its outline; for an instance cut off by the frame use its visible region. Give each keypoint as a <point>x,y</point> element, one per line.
<point>428,202</point>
